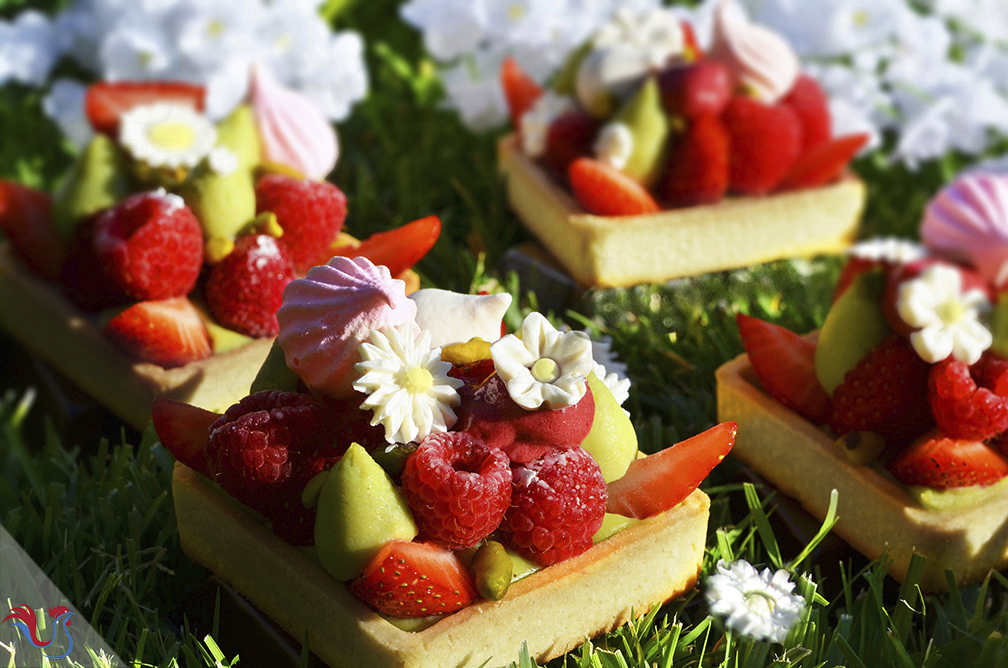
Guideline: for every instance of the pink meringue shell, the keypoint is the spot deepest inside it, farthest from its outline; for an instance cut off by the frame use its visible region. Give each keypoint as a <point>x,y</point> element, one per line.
<point>292,129</point>
<point>968,221</point>
<point>326,315</point>
<point>760,60</point>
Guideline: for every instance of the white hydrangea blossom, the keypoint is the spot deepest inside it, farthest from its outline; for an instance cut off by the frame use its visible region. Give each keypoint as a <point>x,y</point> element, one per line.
<point>759,605</point>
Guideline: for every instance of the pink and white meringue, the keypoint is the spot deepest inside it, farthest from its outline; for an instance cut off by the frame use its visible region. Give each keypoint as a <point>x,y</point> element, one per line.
<point>968,221</point>
<point>292,129</point>
<point>760,60</point>
<point>326,316</point>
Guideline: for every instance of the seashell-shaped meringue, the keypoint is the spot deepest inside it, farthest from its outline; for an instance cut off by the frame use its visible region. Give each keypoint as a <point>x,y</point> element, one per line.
<point>760,60</point>
<point>292,129</point>
<point>326,315</point>
<point>968,221</point>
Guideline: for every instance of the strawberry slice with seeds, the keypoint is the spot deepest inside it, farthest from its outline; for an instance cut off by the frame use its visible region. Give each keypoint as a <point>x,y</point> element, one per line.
<point>606,191</point>
<point>25,217</point>
<point>823,163</point>
<point>168,332</point>
<point>940,462</point>
<point>520,90</point>
<point>184,429</point>
<point>414,580</point>
<point>105,102</point>
<point>784,363</point>
<point>399,248</point>
<point>660,481</point>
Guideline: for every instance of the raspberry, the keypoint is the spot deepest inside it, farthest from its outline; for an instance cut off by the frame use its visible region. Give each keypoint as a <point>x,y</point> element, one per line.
<point>311,214</point>
<point>246,288</point>
<point>458,489</point>
<point>557,505</point>
<point>150,246</point>
<point>263,451</point>
<point>963,404</point>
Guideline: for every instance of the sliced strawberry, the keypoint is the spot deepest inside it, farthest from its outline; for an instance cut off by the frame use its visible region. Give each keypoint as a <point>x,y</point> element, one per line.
<point>520,90</point>
<point>823,163</point>
<point>106,101</point>
<point>765,140</point>
<point>414,580</point>
<point>937,461</point>
<point>169,332</point>
<point>399,248</point>
<point>606,191</point>
<point>25,219</point>
<point>658,482</point>
<point>784,363</point>
<point>183,429</point>
<point>809,101</point>
<point>698,168</point>
<point>570,137</point>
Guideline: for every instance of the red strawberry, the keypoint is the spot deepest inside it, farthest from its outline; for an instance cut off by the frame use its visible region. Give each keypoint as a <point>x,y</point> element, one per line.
<point>399,248</point>
<point>82,276</point>
<point>886,393</point>
<point>520,90</point>
<point>168,332</point>
<point>606,191</point>
<point>150,246</point>
<point>184,430</point>
<point>689,90</point>
<point>311,214</point>
<point>809,101</point>
<point>937,461</point>
<point>660,481</point>
<point>965,406</point>
<point>245,289</point>
<point>698,168</point>
<point>25,220</point>
<point>414,580</point>
<point>765,140</point>
<point>823,163</point>
<point>106,102</point>
<point>784,363</point>
<point>570,137</point>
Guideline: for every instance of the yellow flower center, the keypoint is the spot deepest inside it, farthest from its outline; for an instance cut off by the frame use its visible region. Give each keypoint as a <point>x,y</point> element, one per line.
<point>171,136</point>
<point>545,370</point>
<point>415,379</point>
<point>950,311</point>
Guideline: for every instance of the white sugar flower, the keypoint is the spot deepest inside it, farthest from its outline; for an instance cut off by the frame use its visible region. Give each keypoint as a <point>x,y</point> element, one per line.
<point>614,144</point>
<point>544,366</point>
<point>947,316</point>
<point>222,160</point>
<point>758,605</point>
<point>888,249</point>
<point>167,135</point>
<point>407,384</point>
<point>536,122</point>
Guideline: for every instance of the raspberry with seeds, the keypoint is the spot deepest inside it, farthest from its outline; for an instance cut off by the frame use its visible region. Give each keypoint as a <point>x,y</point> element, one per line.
<point>966,401</point>
<point>557,505</point>
<point>458,488</point>
<point>245,290</point>
<point>150,246</point>
<point>311,214</point>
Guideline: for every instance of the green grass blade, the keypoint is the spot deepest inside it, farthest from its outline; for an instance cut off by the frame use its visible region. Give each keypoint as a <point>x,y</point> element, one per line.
<point>763,527</point>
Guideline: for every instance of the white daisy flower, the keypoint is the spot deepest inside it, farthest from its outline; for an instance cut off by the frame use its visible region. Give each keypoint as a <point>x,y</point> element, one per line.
<point>29,47</point>
<point>407,384</point>
<point>136,50</point>
<point>544,366</point>
<point>948,317</point>
<point>167,135</point>
<point>758,605</point>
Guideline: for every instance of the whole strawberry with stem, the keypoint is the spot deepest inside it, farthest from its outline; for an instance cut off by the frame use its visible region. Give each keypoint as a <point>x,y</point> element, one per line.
<point>245,289</point>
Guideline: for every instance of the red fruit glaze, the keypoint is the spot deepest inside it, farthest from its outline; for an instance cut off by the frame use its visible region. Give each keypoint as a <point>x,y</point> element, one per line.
<point>167,332</point>
<point>185,430</point>
<point>784,363</point>
<point>765,140</point>
<point>810,103</point>
<point>150,246</point>
<point>26,222</point>
<point>245,289</point>
<point>823,163</point>
<point>570,137</point>
<point>886,393</point>
<point>557,504</point>
<point>399,248</point>
<point>660,481</point>
<point>414,580</point>
<point>458,489</point>
<point>606,191</point>
<point>520,90</point>
<point>694,89</point>
<point>964,406</point>
<point>105,102</point>
<point>311,214</point>
<point>698,167</point>
<point>937,461</point>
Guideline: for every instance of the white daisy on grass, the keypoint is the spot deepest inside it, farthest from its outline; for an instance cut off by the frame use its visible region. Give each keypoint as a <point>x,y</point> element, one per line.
<point>759,605</point>
<point>407,384</point>
<point>947,315</point>
<point>545,366</point>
